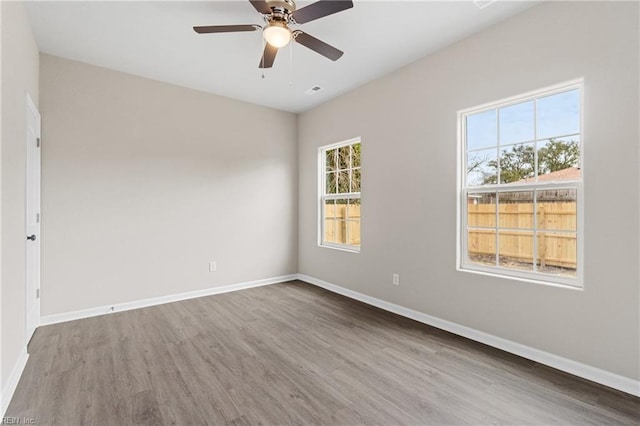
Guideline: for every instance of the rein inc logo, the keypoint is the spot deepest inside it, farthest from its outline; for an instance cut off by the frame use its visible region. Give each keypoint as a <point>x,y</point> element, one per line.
<point>18,421</point>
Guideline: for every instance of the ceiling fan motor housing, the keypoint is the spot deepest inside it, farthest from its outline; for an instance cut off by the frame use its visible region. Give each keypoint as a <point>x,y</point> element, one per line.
<point>282,6</point>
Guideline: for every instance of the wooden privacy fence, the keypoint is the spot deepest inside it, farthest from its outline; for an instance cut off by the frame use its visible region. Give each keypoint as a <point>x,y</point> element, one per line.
<point>342,224</point>
<point>556,232</point>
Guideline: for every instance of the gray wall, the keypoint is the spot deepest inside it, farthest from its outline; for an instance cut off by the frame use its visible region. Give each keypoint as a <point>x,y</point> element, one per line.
<point>407,121</point>
<point>144,183</point>
<point>19,76</point>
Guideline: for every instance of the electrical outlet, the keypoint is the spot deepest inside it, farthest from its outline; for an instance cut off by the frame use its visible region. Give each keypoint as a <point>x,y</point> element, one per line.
<point>396,279</point>
<point>212,266</point>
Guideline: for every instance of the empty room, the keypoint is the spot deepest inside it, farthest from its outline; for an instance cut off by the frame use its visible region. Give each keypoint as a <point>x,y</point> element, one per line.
<point>326,212</point>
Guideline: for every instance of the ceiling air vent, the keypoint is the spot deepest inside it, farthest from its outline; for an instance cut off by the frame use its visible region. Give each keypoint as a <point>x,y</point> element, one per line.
<point>483,3</point>
<point>313,90</point>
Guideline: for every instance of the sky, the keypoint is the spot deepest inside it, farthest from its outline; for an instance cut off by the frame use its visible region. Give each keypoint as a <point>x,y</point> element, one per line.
<point>558,115</point>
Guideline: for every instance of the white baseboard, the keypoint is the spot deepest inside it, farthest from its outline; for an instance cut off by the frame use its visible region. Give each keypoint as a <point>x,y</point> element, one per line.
<point>12,384</point>
<point>119,307</point>
<point>585,371</point>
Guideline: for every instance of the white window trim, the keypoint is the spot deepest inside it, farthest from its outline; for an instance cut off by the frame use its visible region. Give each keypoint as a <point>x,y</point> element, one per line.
<point>322,175</point>
<point>462,263</point>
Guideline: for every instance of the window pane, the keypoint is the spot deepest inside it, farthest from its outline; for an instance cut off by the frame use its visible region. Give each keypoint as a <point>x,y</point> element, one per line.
<point>355,155</point>
<point>482,167</point>
<point>330,183</point>
<point>343,157</point>
<point>355,180</point>
<point>557,253</point>
<point>330,231</point>
<point>559,115</point>
<point>353,209</point>
<point>517,163</point>
<point>330,160</point>
<point>482,130</point>
<point>559,159</point>
<point>481,210</point>
<point>481,245</point>
<point>516,250</point>
<point>341,208</point>
<point>516,209</point>
<point>343,181</point>
<point>341,231</point>
<point>340,228</point>
<point>329,209</point>
<point>516,123</point>
<point>556,209</point>
<point>353,222</point>
<point>354,232</point>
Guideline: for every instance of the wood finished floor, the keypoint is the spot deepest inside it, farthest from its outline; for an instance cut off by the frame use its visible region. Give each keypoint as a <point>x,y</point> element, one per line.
<point>291,353</point>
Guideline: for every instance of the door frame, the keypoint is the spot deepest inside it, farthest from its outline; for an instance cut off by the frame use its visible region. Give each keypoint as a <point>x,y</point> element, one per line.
<point>31,108</point>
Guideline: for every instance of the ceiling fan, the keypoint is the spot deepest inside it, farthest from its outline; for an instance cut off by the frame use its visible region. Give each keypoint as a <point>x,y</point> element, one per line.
<point>279,15</point>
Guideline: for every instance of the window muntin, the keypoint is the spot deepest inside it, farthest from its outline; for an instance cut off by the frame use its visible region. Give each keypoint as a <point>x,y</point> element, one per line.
<point>340,176</point>
<point>522,187</point>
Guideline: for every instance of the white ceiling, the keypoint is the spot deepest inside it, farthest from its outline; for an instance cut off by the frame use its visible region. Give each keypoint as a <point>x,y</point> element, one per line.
<point>155,39</point>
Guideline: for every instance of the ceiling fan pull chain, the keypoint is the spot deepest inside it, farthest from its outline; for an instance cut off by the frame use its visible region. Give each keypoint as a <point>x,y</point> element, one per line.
<point>263,43</point>
<point>291,64</point>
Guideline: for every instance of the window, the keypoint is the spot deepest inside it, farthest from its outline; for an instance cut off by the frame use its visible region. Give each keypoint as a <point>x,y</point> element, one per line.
<point>521,187</point>
<point>340,195</point>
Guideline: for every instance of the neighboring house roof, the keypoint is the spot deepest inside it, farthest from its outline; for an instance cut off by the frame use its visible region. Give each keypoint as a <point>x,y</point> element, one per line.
<point>571,173</point>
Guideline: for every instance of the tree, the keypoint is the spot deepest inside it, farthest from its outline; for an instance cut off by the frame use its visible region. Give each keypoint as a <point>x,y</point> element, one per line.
<point>558,155</point>
<point>515,164</point>
<point>518,163</point>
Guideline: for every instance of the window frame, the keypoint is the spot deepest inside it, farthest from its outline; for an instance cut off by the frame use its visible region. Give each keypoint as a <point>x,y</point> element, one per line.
<point>463,263</point>
<point>322,176</point>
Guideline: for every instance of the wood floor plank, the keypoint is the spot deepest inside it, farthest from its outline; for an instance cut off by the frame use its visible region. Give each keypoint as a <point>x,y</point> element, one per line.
<point>292,354</point>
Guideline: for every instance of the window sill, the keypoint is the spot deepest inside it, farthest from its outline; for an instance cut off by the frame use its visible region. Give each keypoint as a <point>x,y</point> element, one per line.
<point>348,249</point>
<point>566,283</point>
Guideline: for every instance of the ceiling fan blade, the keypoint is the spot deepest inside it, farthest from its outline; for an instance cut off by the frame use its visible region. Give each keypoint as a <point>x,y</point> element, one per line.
<point>261,6</point>
<point>320,9</point>
<point>318,46</point>
<point>225,29</point>
<point>268,56</point>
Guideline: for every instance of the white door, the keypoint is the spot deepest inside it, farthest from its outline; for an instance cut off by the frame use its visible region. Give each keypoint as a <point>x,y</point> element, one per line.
<point>33,218</point>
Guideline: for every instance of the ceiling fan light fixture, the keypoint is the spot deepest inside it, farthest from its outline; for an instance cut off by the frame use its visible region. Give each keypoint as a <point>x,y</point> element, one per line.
<point>277,34</point>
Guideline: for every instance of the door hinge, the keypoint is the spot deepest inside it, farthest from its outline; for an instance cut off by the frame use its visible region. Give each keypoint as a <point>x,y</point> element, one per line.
<point>37,142</point>
<point>38,293</point>
<point>37,217</point>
